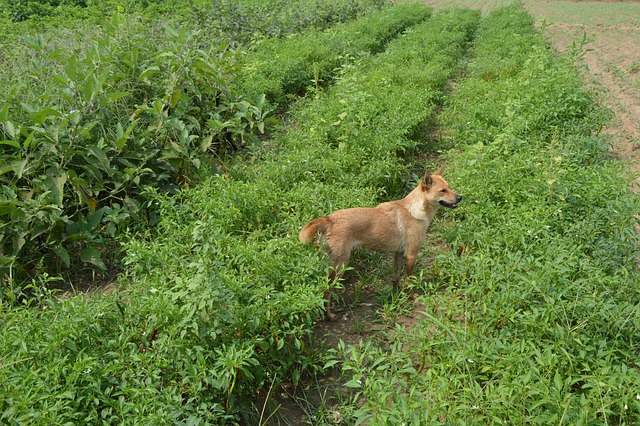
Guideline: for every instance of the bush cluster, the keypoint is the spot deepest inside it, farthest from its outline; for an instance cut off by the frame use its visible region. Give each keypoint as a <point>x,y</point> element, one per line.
<point>246,20</point>
<point>21,10</point>
<point>62,13</point>
<point>85,132</point>
<point>93,120</point>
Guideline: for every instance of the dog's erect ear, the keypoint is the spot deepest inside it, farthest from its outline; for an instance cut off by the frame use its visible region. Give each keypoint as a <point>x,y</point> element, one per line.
<point>427,182</point>
<point>439,171</point>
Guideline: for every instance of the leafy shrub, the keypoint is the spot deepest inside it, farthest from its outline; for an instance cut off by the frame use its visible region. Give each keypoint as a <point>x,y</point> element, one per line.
<point>89,131</point>
<point>44,12</point>
<point>242,21</point>
<point>21,10</point>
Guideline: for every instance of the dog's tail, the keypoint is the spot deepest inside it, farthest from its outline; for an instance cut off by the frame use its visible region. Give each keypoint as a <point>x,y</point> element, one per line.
<point>313,228</point>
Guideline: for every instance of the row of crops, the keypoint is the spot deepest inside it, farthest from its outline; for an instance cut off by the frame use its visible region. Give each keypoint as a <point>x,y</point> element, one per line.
<point>202,163</point>
<point>231,309</point>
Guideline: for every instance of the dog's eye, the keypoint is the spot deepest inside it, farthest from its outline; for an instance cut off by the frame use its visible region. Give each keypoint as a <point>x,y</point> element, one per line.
<point>443,190</point>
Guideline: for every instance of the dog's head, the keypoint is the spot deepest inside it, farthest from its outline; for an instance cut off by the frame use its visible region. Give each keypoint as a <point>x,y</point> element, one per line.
<point>437,192</point>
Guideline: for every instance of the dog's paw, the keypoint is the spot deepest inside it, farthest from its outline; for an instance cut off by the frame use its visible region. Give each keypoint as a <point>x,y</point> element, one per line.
<point>328,316</point>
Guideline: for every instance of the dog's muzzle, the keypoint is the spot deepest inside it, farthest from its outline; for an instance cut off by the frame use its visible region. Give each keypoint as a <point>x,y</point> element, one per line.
<point>451,205</point>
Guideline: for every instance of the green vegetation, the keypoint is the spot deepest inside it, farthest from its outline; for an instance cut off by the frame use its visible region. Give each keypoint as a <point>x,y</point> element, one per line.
<point>281,68</point>
<point>92,121</point>
<point>534,320</point>
<point>162,140</point>
<point>85,133</point>
<point>247,20</point>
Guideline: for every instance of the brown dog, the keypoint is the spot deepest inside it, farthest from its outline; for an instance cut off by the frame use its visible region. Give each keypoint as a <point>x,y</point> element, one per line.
<point>396,226</point>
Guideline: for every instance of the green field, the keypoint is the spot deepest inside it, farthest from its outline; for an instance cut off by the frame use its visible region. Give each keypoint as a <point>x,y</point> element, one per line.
<point>181,153</point>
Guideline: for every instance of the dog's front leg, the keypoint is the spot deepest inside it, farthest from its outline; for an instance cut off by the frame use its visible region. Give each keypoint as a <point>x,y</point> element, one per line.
<point>410,261</point>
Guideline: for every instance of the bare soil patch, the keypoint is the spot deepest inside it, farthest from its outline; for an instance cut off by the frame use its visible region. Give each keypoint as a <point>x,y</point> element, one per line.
<point>610,65</point>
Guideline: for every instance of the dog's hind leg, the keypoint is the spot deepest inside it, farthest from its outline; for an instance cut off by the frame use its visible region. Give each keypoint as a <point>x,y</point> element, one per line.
<point>397,269</point>
<point>339,261</point>
<point>409,263</point>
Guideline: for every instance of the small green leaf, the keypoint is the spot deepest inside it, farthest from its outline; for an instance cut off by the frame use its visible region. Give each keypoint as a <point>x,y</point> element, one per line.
<point>63,254</point>
<point>10,129</point>
<point>4,113</point>
<point>94,218</point>
<point>70,68</point>
<point>10,143</point>
<point>93,256</point>
<point>330,363</point>
<point>18,167</point>
<point>353,384</point>
<point>41,115</point>
<point>121,139</point>
<point>112,97</point>
<point>147,72</point>
<point>206,142</point>
<point>27,142</point>
<point>175,97</point>
<point>103,160</point>
<point>56,180</point>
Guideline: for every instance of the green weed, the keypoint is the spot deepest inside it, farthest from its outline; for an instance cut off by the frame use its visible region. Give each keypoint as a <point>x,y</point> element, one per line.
<point>532,320</point>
